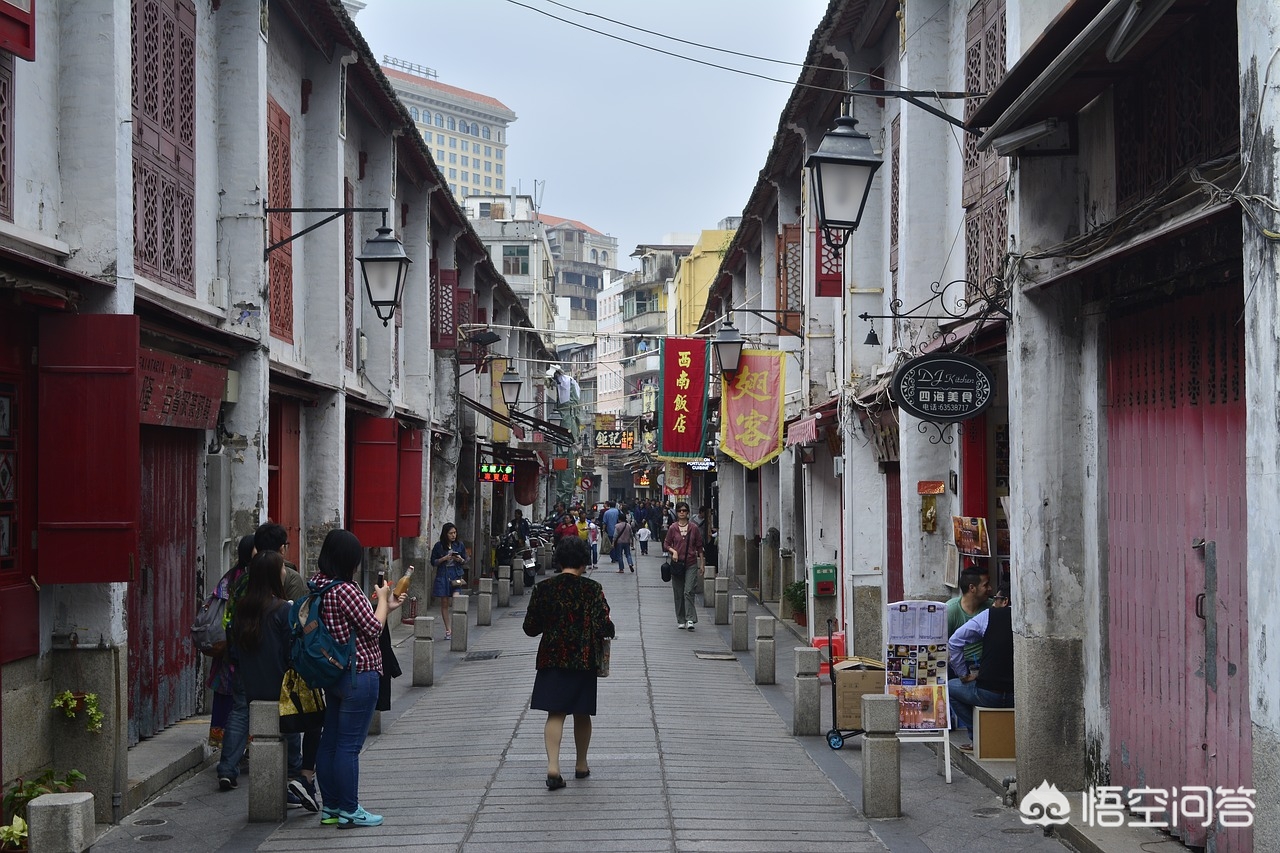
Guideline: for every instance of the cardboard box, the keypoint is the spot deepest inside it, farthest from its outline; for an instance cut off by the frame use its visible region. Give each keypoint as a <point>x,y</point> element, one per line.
<point>993,736</point>
<point>853,679</point>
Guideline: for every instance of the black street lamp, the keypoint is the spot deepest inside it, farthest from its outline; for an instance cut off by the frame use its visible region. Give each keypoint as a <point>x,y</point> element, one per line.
<point>843,168</point>
<point>511,382</point>
<point>728,346</point>
<point>384,267</point>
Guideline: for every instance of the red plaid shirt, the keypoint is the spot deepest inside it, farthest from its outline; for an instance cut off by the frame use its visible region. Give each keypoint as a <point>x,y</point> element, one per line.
<point>345,609</point>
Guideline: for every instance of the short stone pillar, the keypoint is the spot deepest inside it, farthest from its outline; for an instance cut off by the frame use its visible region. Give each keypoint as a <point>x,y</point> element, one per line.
<point>504,586</point>
<point>61,823</point>
<point>484,608</point>
<point>881,759</point>
<point>544,559</point>
<point>458,617</point>
<point>766,662</point>
<point>738,624</point>
<point>739,544</point>
<point>517,579</point>
<point>722,601</point>
<point>267,771</point>
<point>709,587</point>
<point>806,715</point>
<point>424,651</point>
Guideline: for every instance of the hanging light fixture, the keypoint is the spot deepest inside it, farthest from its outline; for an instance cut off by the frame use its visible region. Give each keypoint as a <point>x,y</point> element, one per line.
<point>873,340</point>
<point>384,267</point>
<point>511,382</point>
<point>728,346</point>
<point>843,167</point>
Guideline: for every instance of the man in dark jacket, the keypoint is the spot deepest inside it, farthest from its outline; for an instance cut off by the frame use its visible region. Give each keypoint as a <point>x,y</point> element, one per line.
<point>990,685</point>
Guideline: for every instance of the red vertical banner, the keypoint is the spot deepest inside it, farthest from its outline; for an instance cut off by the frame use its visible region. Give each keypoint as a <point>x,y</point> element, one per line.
<point>682,412</point>
<point>751,408</point>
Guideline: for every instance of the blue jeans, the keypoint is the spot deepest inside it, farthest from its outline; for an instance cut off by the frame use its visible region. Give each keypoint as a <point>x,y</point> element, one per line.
<point>235,735</point>
<point>965,696</point>
<point>622,555</point>
<point>349,707</point>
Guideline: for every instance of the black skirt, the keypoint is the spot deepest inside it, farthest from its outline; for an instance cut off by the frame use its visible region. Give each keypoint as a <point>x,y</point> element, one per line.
<point>564,691</point>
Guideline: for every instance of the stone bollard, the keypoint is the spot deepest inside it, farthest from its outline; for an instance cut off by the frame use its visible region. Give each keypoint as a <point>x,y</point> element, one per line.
<point>738,624</point>
<point>504,586</point>
<point>484,609</point>
<point>61,823</point>
<point>458,617</point>
<point>881,761</point>
<point>766,664</point>
<point>806,716</point>
<point>709,587</point>
<point>722,601</point>
<point>517,580</point>
<point>424,651</point>
<point>267,771</point>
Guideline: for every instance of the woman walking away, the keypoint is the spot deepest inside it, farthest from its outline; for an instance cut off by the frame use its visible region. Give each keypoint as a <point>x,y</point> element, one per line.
<point>349,704</point>
<point>571,614</point>
<point>449,557</point>
<point>259,638</point>
<point>683,545</point>
<point>229,719</point>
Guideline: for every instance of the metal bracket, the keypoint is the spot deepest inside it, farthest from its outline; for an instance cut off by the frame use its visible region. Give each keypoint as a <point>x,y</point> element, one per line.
<point>912,96</point>
<point>334,213</point>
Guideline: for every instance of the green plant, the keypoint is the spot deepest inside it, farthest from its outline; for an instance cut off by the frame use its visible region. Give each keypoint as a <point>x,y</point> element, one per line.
<point>72,703</point>
<point>796,595</point>
<point>25,790</point>
<point>13,836</point>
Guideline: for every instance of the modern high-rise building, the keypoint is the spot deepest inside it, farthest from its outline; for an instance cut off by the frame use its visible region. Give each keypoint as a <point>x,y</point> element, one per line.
<point>466,131</point>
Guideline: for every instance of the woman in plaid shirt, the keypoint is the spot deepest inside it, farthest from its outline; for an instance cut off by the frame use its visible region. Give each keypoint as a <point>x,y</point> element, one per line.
<point>349,704</point>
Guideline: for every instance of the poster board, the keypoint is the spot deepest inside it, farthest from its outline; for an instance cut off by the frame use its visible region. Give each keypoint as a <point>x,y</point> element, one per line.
<point>916,664</point>
<point>970,535</point>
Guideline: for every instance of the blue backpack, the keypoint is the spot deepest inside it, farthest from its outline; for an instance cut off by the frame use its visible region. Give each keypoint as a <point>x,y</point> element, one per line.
<point>317,656</point>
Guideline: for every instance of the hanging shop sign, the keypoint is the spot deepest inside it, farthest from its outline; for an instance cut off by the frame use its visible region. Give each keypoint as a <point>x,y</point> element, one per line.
<point>178,392</point>
<point>682,416</point>
<point>943,387</point>
<point>751,408</point>
<point>706,463</point>
<point>497,473</point>
<point>615,439</point>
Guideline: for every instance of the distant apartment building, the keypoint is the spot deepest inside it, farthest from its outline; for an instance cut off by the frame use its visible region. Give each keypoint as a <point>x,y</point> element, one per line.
<point>466,131</point>
<point>518,245</point>
<point>693,279</point>
<point>584,260</point>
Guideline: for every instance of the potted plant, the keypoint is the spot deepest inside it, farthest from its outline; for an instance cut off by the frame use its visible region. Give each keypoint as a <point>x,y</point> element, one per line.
<point>72,704</point>
<point>797,599</point>
<point>13,835</point>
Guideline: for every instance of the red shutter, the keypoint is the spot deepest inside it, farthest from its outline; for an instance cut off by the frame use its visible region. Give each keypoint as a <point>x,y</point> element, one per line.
<point>410,511</point>
<point>444,325</point>
<point>18,28</point>
<point>88,463</point>
<point>374,471</point>
<point>829,280</point>
<point>280,225</point>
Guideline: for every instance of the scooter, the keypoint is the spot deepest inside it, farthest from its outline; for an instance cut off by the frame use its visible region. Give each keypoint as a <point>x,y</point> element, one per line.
<point>529,561</point>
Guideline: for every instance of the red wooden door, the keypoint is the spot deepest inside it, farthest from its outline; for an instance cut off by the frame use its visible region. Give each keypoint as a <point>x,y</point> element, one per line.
<point>1178,621</point>
<point>284,504</point>
<point>163,671</point>
<point>893,530</point>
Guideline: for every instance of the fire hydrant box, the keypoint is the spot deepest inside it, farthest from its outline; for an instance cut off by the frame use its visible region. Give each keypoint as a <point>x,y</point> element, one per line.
<point>851,680</point>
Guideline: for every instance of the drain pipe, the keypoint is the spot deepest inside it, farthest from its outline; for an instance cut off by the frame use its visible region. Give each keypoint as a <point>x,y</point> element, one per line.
<point>120,775</point>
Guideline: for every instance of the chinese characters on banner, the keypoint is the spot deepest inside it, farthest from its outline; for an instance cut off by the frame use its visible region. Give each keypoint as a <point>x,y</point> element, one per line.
<point>676,483</point>
<point>682,414</point>
<point>751,408</point>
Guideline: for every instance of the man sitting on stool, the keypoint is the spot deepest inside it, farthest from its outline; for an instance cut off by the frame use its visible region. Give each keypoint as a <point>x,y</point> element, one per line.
<point>991,684</point>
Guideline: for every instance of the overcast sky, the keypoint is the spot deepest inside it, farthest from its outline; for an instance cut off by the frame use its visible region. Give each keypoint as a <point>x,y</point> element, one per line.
<point>635,144</point>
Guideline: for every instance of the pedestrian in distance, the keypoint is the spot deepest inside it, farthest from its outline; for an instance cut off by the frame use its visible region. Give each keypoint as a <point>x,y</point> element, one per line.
<point>683,545</point>
<point>643,534</point>
<point>449,557</point>
<point>259,641</point>
<point>225,733</point>
<point>347,613</point>
<point>571,614</point>
<point>622,545</point>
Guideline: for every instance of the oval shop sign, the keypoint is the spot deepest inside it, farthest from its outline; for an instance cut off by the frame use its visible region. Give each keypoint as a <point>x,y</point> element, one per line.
<point>943,387</point>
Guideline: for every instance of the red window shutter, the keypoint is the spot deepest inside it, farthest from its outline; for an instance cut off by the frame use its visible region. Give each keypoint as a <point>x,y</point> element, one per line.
<point>374,470</point>
<point>280,225</point>
<point>444,324</point>
<point>410,510</point>
<point>19,622</point>
<point>18,28</point>
<point>88,466</point>
<point>829,280</point>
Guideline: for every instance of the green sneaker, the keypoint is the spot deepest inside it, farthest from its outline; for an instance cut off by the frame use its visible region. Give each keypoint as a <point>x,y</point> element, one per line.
<point>328,816</point>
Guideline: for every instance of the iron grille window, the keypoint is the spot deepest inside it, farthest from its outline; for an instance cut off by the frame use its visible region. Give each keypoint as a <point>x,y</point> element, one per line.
<point>6,137</point>
<point>164,117</point>
<point>986,208</point>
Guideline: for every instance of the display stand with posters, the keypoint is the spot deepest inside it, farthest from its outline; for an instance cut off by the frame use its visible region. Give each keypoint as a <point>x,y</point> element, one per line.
<point>916,672</point>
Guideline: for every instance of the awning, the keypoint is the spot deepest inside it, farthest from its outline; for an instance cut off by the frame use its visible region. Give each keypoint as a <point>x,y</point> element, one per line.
<point>1067,67</point>
<point>494,416</point>
<point>559,435</point>
<point>803,431</point>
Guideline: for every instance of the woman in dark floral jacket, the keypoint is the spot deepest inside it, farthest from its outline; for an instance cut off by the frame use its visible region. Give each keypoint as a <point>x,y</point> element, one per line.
<point>571,614</point>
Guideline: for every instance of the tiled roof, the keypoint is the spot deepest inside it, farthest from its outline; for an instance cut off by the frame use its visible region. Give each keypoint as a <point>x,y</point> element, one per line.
<point>553,221</point>
<point>426,83</point>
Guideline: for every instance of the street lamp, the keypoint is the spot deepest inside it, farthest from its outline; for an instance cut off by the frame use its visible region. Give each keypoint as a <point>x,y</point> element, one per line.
<point>843,168</point>
<point>511,382</point>
<point>384,267</point>
<point>728,345</point>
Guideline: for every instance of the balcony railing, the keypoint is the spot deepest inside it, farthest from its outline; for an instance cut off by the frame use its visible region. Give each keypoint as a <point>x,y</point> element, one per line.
<point>649,322</point>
